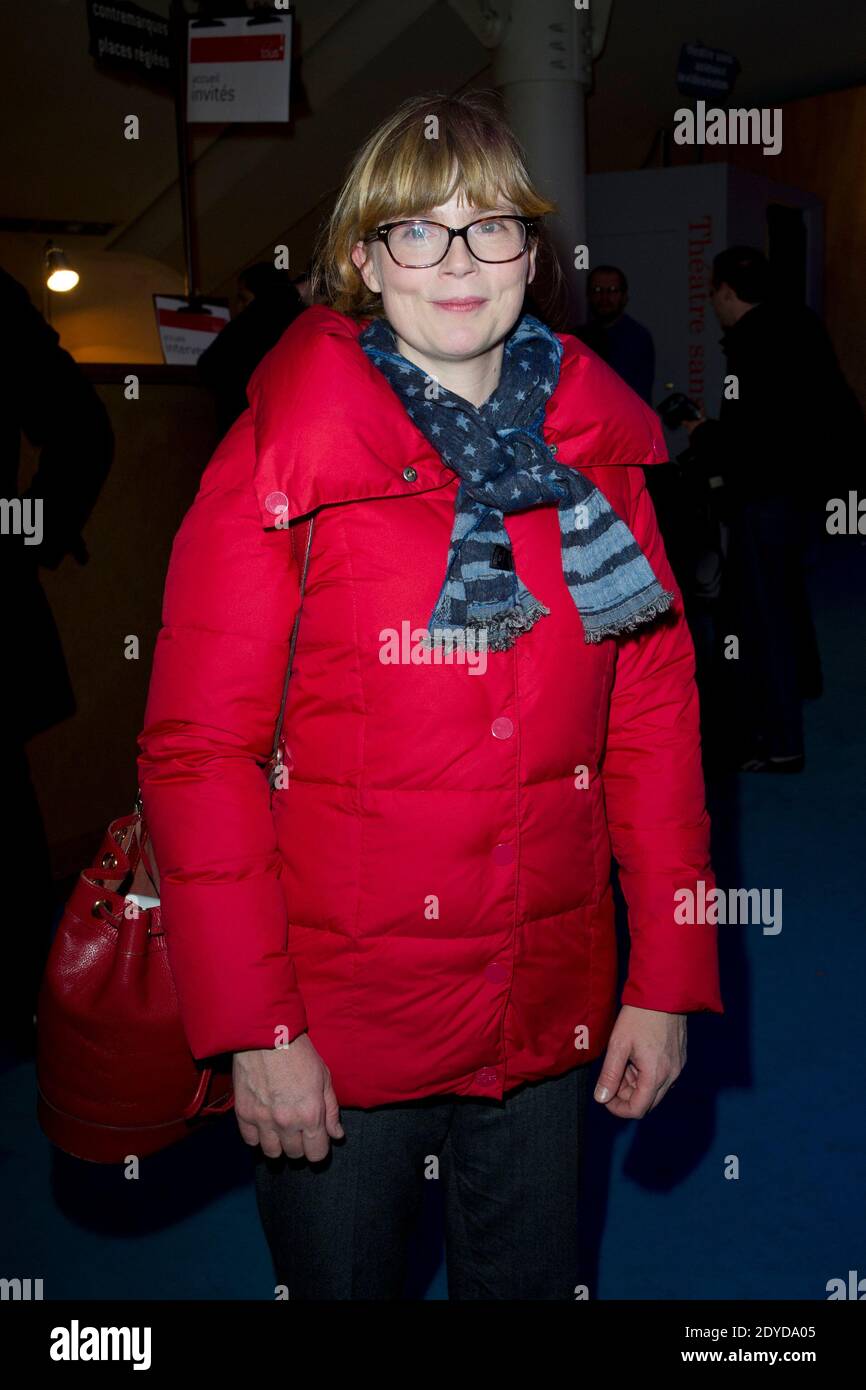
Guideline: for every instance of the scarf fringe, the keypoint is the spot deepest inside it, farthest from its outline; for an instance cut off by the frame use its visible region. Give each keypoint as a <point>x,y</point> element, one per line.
<point>502,631</point>
<point>647,614</point>
<point>505,629</point>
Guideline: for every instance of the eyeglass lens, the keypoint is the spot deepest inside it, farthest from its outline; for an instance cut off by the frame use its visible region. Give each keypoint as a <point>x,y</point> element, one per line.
<point>421,243</point>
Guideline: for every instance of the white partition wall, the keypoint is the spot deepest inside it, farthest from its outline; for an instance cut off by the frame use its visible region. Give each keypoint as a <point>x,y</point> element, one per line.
<point>663,227</point>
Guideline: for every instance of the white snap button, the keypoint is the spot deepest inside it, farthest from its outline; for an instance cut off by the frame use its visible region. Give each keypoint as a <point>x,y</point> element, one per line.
<point>276,503</point>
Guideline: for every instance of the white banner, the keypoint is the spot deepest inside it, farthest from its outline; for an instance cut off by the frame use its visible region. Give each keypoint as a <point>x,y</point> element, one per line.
<point>238,69</point>
<point>184,331</point>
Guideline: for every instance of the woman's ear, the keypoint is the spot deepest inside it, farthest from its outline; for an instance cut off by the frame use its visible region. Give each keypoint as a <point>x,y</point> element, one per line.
<point>366,265</point>
<point>533,251</point>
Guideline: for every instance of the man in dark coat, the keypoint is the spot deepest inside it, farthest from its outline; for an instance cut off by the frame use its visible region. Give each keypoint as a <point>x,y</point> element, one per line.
<point>787,427</point>
<point>46,398</point>
<point>623,342</point>
<point>269,301</point>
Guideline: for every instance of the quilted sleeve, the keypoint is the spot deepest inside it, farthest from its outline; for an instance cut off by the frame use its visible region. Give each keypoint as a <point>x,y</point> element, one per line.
<point>655,799</point>
<point>230,600</point>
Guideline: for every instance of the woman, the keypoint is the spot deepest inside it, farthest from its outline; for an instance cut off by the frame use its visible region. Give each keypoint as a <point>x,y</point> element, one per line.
<point>411,951</point>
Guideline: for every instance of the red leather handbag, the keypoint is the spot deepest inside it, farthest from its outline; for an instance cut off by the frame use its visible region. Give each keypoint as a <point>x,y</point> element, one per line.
<point>114,1072</point>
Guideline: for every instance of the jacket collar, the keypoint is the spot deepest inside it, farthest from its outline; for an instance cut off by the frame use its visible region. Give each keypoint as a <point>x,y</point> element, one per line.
<point>751,322</point>
<point>329,429</point>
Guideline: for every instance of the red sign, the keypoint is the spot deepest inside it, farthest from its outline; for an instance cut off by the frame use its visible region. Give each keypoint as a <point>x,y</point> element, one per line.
<point>238,48</point>
<point>196,323</point>
<point>185,333</point>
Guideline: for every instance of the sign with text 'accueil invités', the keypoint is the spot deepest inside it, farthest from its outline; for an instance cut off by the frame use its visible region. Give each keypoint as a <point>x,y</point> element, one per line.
<point>238,69</point>
<point>187,327</point>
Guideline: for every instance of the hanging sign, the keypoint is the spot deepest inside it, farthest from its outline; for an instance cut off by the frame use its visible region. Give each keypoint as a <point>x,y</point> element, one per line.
<point>186,328</point>
<point>127,37</point>
<point>702,71</point>
<point>238,69</point>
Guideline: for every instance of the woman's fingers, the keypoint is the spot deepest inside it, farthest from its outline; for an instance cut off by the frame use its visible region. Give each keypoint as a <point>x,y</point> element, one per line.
<point>249,1132</point>
<point>273,1143</point>
<point>316,1143</point>
<point>332,1113</point>
<point>639,1092</point>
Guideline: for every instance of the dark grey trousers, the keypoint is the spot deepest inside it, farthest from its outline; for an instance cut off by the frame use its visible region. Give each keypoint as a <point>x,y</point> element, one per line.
<point>342,1228</point>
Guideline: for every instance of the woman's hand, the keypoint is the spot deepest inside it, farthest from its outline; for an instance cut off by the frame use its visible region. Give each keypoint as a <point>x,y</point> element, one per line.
<point>284,1100</point>
<point>644,1057</point>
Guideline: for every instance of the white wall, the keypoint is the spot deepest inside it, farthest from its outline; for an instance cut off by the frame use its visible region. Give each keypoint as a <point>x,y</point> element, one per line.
<point>663,227</point>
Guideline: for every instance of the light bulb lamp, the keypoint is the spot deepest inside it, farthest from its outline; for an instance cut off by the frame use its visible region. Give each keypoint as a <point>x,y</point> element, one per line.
<point>59,275</point>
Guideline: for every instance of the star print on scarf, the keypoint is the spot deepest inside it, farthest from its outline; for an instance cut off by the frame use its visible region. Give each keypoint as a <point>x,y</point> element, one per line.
<point>498,452</point>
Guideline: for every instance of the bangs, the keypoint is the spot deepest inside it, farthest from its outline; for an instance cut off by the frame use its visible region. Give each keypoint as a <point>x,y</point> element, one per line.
<point>412,174</point>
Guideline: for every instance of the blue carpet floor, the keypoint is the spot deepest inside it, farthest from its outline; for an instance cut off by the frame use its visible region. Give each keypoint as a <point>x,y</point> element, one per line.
<point>774,1087</point>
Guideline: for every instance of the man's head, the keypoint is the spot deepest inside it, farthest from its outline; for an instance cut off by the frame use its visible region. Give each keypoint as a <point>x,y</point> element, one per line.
<point>304,285</point>
<point>607,292</point>
<point>263,280</point>
<point>740,280</point>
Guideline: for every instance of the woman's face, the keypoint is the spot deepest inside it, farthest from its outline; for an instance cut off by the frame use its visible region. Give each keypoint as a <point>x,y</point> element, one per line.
<point>419,303</point>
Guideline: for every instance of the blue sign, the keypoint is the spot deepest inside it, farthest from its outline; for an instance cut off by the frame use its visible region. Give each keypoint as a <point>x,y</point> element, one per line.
<point>706,71</point>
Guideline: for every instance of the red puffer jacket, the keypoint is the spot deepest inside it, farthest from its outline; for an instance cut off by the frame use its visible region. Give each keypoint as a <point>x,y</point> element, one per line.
<point>429,896</point>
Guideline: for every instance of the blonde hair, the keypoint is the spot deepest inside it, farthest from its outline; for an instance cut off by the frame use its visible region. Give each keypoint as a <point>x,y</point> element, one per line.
<point>431,148</point>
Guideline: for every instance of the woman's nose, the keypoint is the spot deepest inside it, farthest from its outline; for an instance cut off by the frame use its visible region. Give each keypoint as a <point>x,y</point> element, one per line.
<point>459,257</point>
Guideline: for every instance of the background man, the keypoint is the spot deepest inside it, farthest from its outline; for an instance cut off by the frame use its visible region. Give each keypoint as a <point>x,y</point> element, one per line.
<point>787,424</point>
<point>623,342</point>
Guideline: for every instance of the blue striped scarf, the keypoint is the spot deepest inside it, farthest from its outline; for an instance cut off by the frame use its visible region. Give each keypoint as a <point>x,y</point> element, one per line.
<point>498,452</point>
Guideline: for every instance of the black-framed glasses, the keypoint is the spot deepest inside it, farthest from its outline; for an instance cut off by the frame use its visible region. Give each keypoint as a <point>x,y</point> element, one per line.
<point>417,243</point>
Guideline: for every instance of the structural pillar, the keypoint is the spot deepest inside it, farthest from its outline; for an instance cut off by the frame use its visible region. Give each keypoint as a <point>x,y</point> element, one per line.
<point>542,53</point>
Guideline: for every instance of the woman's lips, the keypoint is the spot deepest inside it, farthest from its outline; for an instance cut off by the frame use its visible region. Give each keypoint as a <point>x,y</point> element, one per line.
<point>459,306</point>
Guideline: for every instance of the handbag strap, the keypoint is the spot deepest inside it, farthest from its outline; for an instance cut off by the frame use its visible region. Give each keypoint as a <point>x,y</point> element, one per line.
<point>274,761</point>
